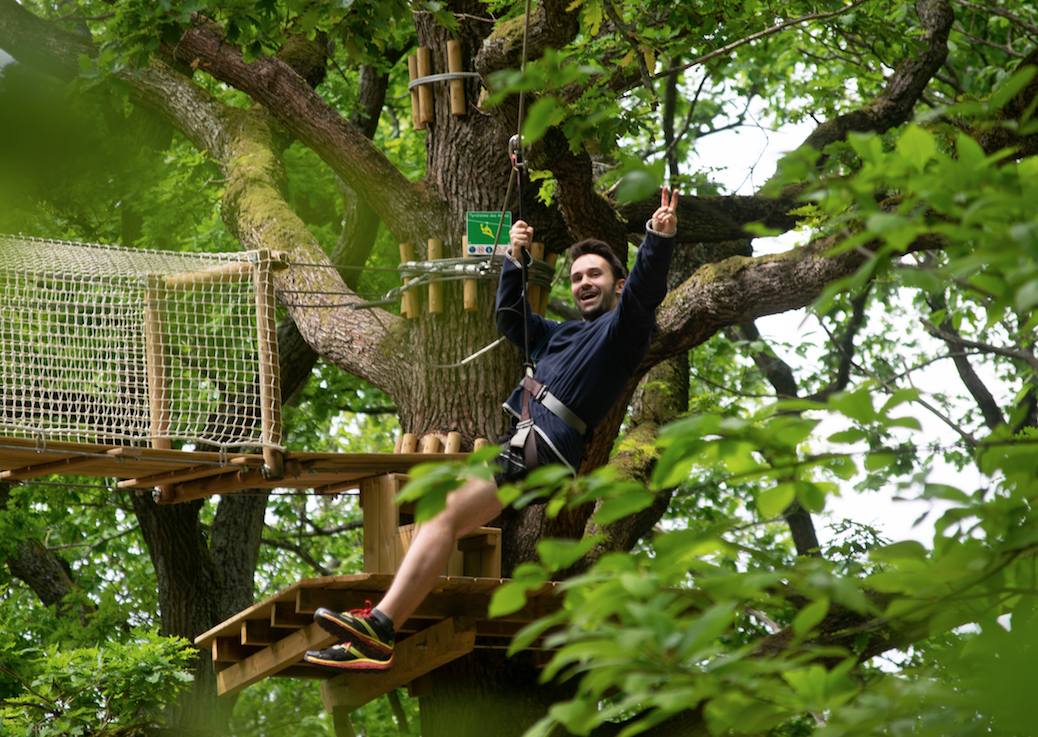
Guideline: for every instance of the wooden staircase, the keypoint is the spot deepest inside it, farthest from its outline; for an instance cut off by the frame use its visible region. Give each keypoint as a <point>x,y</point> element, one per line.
<point>269,639</point>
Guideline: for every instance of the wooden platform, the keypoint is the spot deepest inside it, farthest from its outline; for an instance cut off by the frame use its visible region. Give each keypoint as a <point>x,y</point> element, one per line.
<point>271,637</point>
<point>199,474</point>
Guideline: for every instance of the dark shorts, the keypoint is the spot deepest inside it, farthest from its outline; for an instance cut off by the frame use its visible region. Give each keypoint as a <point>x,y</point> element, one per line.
<point>513,462</point>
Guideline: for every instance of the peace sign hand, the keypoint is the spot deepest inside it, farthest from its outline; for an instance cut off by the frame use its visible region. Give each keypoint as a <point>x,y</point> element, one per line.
<point>665,219</point>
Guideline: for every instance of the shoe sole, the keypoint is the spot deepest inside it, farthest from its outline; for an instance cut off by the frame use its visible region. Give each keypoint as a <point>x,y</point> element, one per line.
<point>351,664</point>
<point>330,623</point>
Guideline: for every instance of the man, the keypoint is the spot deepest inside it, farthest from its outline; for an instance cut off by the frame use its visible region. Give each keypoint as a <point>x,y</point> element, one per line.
<point>581,370</point>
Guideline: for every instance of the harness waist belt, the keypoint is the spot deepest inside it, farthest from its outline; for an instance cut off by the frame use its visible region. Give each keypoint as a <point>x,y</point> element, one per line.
<point>552,403</point>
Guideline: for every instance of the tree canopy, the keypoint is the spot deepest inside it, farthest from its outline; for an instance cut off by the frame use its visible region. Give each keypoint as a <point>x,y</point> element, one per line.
<point>698,596</point>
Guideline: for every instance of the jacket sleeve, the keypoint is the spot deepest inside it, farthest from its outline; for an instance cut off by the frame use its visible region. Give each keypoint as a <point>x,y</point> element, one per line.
<point>646,286</point>
<point>509,302</point>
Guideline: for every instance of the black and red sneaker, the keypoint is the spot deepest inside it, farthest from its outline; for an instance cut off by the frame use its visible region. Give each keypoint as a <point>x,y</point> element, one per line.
<point>370,629</point>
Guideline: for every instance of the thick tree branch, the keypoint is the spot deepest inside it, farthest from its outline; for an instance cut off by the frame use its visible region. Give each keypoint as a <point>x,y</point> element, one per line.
<point>410,211</point>
<point>904,88</point>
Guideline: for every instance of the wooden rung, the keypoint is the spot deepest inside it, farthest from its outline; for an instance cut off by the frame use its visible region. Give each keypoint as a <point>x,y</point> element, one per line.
<point>408,443</point>
<point>425,95</point>
<point>457,86</point>
<point>417,655</point>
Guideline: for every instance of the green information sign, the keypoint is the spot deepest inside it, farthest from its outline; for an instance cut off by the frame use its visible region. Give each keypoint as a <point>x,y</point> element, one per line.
<point>481,230</point>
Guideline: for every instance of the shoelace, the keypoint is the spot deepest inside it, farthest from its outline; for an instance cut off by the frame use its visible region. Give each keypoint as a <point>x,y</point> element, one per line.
<point>365,612</point>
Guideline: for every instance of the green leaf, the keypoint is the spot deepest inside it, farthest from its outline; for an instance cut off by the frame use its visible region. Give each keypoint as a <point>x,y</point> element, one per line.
<point>559,554</point>
<point>542,115</point>
<point>1011,87</point>
<point>904,550</point>
<point>916,146</point>
<point>636,185</point>
<point>622,506</point>
<point>810,616</point>
<point>773,502</point>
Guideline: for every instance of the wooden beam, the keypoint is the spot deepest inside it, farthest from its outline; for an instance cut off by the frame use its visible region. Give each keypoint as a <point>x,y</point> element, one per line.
<point>270,660</point>
<point>66,465</point>
<point>341,723</point>
<point>417,655</point>
<point>221,274</point>
<point>187,473</point>
<point>222,484</point>
<point>269,368</point>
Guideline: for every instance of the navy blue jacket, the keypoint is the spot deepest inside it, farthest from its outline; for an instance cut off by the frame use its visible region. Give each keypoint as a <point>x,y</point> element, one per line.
<point>586,365</point>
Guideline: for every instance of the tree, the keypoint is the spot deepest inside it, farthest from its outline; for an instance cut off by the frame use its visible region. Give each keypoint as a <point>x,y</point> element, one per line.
<point>916,187</point>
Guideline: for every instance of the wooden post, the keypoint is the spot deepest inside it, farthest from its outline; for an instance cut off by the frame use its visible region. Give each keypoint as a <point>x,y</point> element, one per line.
<point>453,443</point>
<point>457,86</point>
<point>269,368</point>
<point>470,286</point>
<point>381,522</point>
<point>158,372</point>
<point>409,300</point>
<point>341,722</point>
<point>542,308</point>
<point>435,287</point>
<point>416,109</point>
<point>425,96</point>
<point>533,291</point>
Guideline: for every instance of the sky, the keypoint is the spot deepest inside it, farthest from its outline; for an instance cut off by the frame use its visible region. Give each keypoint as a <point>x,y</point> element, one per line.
<point>751,155</point>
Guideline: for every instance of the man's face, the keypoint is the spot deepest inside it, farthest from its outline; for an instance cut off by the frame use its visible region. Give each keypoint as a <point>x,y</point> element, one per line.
<point>595,291</point>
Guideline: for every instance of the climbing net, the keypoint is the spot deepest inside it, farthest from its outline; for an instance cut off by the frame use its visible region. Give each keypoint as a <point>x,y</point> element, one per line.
<point>136,347</point>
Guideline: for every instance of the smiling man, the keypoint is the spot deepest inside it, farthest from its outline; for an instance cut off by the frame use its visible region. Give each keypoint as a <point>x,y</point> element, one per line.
<point>580,370</point>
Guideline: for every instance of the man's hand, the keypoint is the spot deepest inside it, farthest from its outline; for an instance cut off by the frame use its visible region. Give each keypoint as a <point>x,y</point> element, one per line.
<point>521,236</point>
<point>665,220</point>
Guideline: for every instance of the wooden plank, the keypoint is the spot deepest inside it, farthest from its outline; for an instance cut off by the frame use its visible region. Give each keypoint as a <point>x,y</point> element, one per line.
<point>283,653</point>
<point>414,657</point>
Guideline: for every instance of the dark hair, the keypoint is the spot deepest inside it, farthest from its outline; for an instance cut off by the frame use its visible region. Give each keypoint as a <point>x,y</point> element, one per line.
<point>598,248</point>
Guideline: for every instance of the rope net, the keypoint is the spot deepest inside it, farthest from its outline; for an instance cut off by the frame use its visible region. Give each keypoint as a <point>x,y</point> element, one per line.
<point>129,346</point>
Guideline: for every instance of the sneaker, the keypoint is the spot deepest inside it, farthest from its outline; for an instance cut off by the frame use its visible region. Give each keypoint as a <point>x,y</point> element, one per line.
<point>357,625</point>
<point>346,656</point>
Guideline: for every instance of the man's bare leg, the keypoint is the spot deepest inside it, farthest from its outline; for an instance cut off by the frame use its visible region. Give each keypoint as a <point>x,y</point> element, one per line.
<point>471,505</point>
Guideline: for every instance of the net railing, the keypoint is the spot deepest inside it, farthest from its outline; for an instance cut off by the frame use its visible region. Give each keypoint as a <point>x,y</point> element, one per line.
<point>128,346</point>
